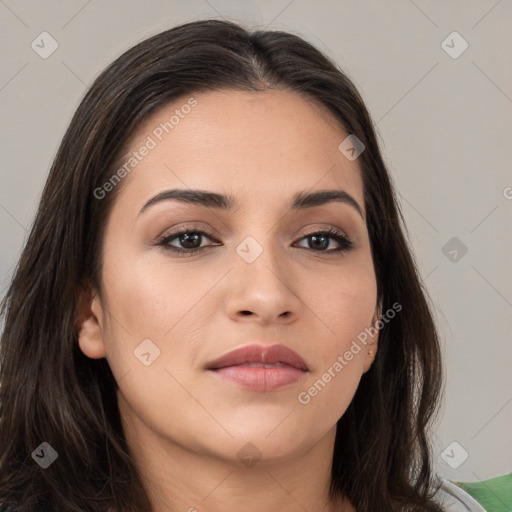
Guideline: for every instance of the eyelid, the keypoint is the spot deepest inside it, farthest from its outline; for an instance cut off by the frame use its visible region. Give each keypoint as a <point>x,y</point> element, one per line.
<point>212,232</point>
<point>188,226</point>
<point>325,228</point>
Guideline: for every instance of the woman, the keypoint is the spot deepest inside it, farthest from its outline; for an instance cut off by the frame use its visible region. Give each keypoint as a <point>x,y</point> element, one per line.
<point>194,323</point>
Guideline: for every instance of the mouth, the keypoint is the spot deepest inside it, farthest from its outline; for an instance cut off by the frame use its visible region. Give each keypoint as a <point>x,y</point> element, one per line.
<point>260,368</point>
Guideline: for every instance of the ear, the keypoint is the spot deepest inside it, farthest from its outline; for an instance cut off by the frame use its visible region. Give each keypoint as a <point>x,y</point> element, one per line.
<point>89,322</point>
<point>371,347</point>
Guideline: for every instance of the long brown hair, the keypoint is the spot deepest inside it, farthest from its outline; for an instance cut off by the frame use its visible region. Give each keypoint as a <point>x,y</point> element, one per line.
<point>51,392</point>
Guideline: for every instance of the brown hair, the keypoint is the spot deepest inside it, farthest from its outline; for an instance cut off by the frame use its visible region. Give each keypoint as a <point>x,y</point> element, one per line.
<point>51,392</point>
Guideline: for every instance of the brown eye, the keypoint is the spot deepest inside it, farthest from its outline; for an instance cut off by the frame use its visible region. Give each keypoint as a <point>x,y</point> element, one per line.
<point>320,241</point>
<point>189,239</point>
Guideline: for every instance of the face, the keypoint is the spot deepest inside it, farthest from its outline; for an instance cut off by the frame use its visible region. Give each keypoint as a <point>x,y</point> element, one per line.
<point>259,271</point>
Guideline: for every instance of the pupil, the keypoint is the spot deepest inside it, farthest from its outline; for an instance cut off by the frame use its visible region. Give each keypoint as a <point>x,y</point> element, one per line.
<point>323,245</point>
<point>187,239</point>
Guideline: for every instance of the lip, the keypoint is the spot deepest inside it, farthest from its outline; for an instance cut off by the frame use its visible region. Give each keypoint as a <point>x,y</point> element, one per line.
<point>240,366</point>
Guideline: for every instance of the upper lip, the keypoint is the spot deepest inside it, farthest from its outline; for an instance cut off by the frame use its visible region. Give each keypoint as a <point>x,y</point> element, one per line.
<point>259,354</point>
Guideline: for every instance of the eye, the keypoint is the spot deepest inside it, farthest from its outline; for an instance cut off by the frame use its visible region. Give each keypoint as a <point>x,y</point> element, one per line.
<point>320,240</point>
<point>190,240</point>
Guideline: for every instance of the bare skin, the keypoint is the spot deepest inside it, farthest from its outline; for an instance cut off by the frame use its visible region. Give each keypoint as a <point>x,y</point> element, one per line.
<point>188,429</point>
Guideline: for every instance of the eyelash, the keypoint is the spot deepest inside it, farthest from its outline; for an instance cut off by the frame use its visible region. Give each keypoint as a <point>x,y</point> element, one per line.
<point>346,245</point>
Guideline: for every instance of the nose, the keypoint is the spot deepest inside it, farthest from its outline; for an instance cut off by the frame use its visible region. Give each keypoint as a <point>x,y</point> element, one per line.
<point>265,290</point>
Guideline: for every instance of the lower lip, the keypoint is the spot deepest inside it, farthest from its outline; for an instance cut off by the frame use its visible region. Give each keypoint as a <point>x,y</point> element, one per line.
<point>260,378</point>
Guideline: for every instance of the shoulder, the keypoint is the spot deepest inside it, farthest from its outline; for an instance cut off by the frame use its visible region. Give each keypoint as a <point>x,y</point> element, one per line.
<point>454,499</point>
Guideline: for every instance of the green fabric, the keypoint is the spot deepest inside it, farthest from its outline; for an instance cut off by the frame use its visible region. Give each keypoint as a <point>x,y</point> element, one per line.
<point>494,494</point>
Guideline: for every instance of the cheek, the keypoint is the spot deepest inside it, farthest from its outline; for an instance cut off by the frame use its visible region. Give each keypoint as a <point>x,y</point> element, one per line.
<point>346,302</point>
<point>145,302</point>
<point>151,342</point>
<point>346,305</point>
<point>148,300</point>
<point>327,395</point>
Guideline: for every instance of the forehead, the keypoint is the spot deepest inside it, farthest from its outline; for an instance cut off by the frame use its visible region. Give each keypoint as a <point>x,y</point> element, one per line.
<point>265,145</point>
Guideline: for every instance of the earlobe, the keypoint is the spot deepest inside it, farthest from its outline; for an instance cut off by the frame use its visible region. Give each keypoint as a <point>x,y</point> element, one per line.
<point>370,356</point>
<point>372,349</point>
<point>89,325</point>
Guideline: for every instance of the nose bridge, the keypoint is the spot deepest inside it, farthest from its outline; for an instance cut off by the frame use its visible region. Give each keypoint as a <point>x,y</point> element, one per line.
<point>262,257</point>
<point>262,281</point>
<point>259,242</point>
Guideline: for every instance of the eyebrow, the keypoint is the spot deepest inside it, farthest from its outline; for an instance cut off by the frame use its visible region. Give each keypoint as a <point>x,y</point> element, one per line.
<point>300,201</point>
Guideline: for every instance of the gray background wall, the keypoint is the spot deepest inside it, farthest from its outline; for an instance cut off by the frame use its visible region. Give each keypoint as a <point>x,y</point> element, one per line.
<point>445,119</point>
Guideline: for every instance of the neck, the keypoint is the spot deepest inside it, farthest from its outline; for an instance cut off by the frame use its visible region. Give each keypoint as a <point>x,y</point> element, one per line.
<point>180,478</point>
